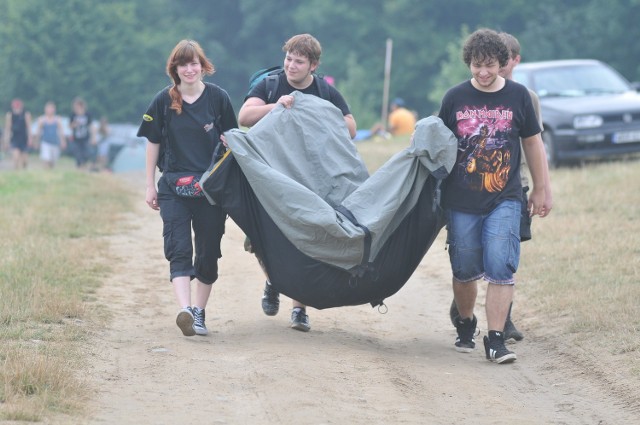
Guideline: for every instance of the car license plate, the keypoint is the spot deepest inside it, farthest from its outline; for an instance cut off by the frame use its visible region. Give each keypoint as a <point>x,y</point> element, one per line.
<point>626,137</point>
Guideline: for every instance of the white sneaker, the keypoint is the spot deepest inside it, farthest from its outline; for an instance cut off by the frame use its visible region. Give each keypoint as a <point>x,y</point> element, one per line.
<point>185,320</point>
<point>198,321</point>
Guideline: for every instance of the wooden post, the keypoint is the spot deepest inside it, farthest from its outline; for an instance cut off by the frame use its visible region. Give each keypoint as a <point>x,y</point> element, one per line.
<point>387,78</point>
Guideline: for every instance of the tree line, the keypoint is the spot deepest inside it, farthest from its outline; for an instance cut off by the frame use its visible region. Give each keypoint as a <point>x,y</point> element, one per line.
<point>113,54</point>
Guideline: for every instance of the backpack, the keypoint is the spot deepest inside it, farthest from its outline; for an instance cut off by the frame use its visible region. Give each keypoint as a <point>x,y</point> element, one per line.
<point>164,158</point>
<point>272,75</point>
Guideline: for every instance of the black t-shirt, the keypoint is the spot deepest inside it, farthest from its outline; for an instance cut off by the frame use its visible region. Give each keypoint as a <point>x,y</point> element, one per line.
<point>284,88</point>
<point>82,128</point>
<point>488,127</point>
<point>193,134</point>
<point>19,131</point>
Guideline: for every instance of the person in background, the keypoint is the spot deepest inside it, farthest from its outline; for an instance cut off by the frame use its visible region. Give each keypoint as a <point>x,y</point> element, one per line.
<point>50,135</point>
<point>17,133</point>
<point>83,133</point>
<point>193,115</point>
<point>482,196</point>
<point>401,122</point>
<point>302,58</point>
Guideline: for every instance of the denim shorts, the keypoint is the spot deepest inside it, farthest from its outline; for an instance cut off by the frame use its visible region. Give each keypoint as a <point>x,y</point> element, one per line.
<point>485,245</point>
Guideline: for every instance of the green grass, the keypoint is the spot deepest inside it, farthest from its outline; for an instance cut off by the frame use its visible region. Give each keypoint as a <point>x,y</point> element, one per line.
<point>51,227</point>
<point>582,268</point>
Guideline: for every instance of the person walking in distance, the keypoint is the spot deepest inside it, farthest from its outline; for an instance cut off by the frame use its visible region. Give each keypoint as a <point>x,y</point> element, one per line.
<point>483,194</point>
<point>301,60</point>
<point>83,134</point>
<point>188,119</point>
<point>17,133</point>
<point>50,135</point>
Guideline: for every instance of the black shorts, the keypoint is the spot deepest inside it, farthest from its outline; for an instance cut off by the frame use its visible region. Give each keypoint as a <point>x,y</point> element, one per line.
<point>179,216</point>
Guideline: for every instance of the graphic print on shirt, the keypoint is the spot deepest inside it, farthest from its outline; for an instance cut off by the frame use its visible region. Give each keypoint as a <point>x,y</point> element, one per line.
<point>484,149</point>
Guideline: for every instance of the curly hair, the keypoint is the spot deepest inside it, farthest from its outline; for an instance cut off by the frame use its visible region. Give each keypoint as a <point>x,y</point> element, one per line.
<point>184,52</point>
<point>483,45</point>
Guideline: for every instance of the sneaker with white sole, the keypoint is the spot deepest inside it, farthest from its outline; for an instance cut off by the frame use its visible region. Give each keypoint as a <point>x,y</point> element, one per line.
<point>198,321</point>
<point>495,349</point>
<point>300,320</point>
<point>185,320</point>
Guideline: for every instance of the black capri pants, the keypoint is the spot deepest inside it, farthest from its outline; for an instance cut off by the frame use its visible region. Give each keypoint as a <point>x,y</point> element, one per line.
<point>179,214</point>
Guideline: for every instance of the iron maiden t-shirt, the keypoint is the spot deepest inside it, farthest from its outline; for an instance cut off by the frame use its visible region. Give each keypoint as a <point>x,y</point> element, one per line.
<point>488,127</point>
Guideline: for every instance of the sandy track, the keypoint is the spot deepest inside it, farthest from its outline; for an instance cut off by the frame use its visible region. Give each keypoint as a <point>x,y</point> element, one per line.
<point>356,366</point>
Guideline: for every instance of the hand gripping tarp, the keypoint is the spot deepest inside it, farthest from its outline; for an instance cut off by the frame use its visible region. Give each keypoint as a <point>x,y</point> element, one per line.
<point>328,234</point>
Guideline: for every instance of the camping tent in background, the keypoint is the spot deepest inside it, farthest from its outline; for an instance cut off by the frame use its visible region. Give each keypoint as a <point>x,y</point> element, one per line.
<point>126,150</point>
<point>328,234</point>
<point>128,157</point>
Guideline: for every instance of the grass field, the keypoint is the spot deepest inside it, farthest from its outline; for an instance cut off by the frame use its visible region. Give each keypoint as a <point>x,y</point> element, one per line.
<point>51,264</point>
<point>579,276</point>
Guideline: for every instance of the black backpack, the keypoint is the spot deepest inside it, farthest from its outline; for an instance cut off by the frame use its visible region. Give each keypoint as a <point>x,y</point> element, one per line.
<point>272,75</point>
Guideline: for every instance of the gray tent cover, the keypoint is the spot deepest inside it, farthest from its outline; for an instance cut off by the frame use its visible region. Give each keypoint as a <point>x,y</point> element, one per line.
<point>328,234</point>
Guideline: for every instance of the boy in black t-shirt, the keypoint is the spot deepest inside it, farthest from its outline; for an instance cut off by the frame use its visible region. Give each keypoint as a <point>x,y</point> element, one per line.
<point>489,115</point>
<point>83,134</point>
<point>302,58</point>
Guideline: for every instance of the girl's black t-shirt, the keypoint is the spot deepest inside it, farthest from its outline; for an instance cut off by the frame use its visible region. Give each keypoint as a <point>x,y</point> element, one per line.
<point>194,133</point>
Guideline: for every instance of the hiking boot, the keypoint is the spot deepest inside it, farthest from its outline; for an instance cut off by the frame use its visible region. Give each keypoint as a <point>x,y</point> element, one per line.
<point>300,320</point>
<point>184,320</point>
<point>198,321</point>
<point>510,330</point>
<point>495,350</point>
<point>454,314</point>
<point>270,300</point>
<point>465,342</point>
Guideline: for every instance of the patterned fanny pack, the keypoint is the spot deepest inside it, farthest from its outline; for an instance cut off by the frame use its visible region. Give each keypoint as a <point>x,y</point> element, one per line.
<point>184,184</point>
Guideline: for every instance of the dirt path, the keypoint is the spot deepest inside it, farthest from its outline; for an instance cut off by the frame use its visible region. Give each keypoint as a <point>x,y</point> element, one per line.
<point>356,366</point>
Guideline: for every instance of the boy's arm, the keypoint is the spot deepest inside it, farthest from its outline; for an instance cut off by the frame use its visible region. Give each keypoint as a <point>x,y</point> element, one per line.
<point>253,110</point>
<point>351,125</point>
<point>534,153</point>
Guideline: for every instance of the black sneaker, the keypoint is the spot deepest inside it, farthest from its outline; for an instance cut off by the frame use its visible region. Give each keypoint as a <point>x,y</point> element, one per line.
<point>270,300</point>
<point>198,321</point>
<point>495,350</point>
<point>510,330</point>
<point>184,320</point>
<point>465,342</point>
<point>300,320</point>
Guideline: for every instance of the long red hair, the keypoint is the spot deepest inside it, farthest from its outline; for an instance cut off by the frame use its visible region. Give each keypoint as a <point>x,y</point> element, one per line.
<point>184,52</point>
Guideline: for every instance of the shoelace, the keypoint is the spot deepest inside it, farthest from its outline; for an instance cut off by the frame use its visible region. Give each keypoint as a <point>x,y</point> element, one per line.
<point>300,316</point>
<point>198,317</point>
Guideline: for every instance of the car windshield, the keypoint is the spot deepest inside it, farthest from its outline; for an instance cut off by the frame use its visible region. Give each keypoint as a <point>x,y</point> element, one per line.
<point>582,80</point>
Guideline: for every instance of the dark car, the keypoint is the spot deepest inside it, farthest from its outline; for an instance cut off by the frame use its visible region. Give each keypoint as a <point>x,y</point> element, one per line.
<point>589,110</point>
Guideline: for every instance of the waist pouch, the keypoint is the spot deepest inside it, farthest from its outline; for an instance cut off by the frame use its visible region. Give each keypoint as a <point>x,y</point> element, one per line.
<point>184,184</point>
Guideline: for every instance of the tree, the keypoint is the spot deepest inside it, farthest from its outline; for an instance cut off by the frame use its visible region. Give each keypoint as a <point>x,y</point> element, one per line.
<point>452,70</point>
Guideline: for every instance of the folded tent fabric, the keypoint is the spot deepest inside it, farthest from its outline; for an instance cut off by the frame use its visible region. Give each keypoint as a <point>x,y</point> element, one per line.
<point>302,194</point>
